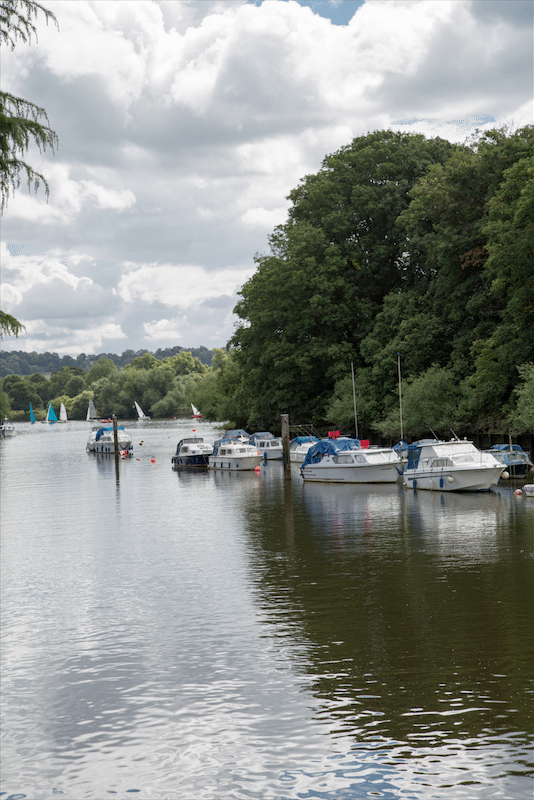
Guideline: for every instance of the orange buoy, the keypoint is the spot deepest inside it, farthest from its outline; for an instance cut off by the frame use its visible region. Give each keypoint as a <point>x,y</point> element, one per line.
<point>257,469</point>
<point>152,460</point>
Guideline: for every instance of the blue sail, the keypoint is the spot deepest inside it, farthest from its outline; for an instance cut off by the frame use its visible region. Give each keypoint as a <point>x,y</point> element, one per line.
<point>51,414</point>
<point>32,415</point>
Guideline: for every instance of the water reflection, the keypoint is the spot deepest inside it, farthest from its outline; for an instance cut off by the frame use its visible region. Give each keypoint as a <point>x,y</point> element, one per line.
<point>241,636</point>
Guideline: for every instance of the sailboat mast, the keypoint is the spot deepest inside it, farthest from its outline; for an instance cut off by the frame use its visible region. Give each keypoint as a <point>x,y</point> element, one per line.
<point>354,399</point>
<point>400,396</point>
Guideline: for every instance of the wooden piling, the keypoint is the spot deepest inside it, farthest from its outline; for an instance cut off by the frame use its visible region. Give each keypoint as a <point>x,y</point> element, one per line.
<point>285,445</point>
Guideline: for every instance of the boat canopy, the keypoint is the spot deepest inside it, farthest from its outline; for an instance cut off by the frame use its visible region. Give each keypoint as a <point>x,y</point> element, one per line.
<point>235,434</point>
<point>101,431</point>
<point>328,447</point>
<point>516,447</point>
<point>301,440</point>
<point>253,439</point>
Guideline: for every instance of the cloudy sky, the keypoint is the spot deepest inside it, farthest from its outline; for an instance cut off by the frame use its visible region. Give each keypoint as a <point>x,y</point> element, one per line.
<point>183,125</point>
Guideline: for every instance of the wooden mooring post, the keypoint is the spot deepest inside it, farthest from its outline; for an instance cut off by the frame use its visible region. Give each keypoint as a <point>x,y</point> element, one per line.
<point>116,446</point>
<point>285,445</point>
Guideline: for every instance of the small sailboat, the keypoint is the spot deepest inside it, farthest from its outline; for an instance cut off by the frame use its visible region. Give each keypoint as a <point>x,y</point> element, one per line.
<point>91,412</point>
<point>196,412</point>
<point>140,413</point>
<point>63,413</point>
<point>51,416</point>
<point>32,415</point>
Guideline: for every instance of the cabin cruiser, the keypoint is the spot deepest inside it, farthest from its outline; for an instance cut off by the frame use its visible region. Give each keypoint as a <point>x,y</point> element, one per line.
<point>7,428</point>
<point>456,465</point>
<point>515,460</point>
<point>232,454</point>
<point>269,446</point>
<point>299,446</point>
<point>344,460</point>
<point>101,441</point>
<point>191,453</point>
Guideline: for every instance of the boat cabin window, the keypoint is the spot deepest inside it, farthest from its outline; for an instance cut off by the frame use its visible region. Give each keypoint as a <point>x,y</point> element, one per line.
<point>342,459</point>
<point>442,462</point>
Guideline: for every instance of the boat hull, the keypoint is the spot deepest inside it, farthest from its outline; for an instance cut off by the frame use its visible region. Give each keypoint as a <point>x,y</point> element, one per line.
<point>190,462</point>
<point>350,473</point>
<point>105,445</point>
<point>453,479</point>
<point>235,463</point>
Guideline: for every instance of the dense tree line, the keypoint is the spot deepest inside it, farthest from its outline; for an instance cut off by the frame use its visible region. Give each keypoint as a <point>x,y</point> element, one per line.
<point>18,362</point>
<point>163,387</point>
<point>399,246</point>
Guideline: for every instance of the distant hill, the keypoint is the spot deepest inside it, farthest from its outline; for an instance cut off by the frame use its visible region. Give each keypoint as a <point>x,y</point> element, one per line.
<point>17,362</point>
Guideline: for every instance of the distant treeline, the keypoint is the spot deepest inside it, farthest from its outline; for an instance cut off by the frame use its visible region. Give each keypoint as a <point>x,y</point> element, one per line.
<point>18,362</point>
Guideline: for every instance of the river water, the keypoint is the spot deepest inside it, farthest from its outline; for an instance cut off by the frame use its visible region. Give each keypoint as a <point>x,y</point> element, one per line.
<point>203,635</point>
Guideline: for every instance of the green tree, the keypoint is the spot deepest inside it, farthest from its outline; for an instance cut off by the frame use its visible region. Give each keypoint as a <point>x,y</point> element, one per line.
<point>5,405</point>
<point>103,368</point>
<point>522,418</point>
<point>9,326</point>
<point>21,122</point>
<point>313,299</point>
<point>21,393</point>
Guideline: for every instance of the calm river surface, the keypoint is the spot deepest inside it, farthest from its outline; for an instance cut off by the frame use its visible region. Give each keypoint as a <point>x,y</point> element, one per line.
<point>200,636</point>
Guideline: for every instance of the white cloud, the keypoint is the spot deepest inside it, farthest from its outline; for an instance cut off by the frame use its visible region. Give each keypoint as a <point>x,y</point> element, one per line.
<point>180,286</point>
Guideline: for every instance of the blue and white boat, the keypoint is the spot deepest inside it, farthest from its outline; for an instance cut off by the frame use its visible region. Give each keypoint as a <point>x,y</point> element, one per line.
<point>344,460</point>
<point>269,446</point>
<point>515,460</point>
<point>233,455</point>
<point>192,453</point>
<point>452,466</point>
<point>101,440</point>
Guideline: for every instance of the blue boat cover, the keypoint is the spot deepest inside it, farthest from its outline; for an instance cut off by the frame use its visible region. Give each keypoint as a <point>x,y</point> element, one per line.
<point>101,431</point>
<point>236,434</point>
<point>255,436</point>
<point>328,447</point>
<point>516,447</point>
<point>302,440</point>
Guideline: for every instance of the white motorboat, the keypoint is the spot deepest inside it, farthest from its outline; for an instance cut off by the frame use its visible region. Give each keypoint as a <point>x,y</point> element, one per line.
<point>7,428</point>
<point>192,453</point>
<point>234,455</point>
<point>269,446</point>
<point>451,466</point>
<point>344,460</point>
<point>101,440</point>
<point>299,446</point>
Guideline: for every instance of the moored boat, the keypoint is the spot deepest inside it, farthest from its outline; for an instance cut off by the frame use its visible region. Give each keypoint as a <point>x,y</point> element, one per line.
<point>192,453</point>
<point>234,455</point>
<point>7,428</point>
<point>269,446</point>
<point>101,440</point>
<point>299,446</point>
<point>444,466</point>
<point>514,459</point>
<point>344,460</point>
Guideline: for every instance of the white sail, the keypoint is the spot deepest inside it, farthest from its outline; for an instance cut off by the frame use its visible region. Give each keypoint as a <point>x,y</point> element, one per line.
<point>196,412</point>
<point>91,411</point>
<point>63,413</point>
<point>140,413</point>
